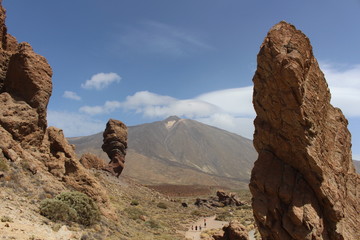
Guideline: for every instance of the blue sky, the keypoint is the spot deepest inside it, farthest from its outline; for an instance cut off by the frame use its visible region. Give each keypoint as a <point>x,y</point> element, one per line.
<point>142,60</point>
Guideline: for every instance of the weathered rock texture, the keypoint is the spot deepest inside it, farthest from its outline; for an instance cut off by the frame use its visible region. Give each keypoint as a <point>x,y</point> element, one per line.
<point>304,184</point>
<point>25,90</point>
<point>89,161</point>
<point>228,199</point>
<point>115,145</point>
<point>233,231</point>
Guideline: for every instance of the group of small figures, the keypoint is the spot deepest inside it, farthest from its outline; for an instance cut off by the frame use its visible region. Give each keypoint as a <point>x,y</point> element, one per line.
<point>198,227</point>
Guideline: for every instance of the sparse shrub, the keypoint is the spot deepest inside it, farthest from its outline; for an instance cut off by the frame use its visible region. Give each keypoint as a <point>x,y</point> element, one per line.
<point>135,213</point>
<point>196,213</point>
<point>224,216</point>
<point>57,210</point>
<point>6,219</point>
<point>152,224</point>
<point>134,203</point>
<point>162,205</point>
<point>3,165</point>
<point>71,206</point>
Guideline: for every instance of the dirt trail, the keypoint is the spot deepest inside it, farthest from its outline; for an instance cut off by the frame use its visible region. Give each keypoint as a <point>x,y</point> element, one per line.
<point>211,223</point>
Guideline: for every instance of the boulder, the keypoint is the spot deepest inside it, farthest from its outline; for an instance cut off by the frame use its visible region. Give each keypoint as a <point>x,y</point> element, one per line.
<point>228,199</point>
<point>304,184</point>
<point>233,231</point>
<point>115,145</point>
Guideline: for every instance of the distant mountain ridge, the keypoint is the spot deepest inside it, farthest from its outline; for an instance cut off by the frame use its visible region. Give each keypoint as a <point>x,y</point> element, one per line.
<point>181,151</point>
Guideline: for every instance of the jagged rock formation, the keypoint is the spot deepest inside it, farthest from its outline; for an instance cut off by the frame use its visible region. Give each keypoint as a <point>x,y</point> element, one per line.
<point>228,199</point>
<point>25,90</point>
<point>304,184</point>
<point>233,231</point>
<point>115,145</point>
<point>223,199</point>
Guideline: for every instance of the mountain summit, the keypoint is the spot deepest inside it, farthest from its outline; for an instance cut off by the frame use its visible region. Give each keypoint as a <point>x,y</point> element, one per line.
<point>181,151</point>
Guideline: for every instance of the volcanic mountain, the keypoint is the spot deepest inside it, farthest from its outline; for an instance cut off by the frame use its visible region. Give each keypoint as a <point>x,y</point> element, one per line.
<point>181,151</point>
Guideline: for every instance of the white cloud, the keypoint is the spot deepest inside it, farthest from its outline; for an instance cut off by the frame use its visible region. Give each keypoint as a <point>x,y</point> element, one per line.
<point>240,125</point>
<point>229,109</point>
<point>344,84</point>
<point>71,95</point>
<point>74,124</point>
<point>144,98</point>
<point>153,105</point>
<point>156,37</point>
<point>108,107</point>
<point>101,80</point>
<point>236,101</point>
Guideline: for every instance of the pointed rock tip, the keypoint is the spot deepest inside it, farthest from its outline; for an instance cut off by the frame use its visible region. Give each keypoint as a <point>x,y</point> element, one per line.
<point>282,24</point>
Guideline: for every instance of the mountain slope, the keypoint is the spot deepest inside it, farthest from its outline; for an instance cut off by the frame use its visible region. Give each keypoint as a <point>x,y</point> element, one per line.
<point>181,151</point>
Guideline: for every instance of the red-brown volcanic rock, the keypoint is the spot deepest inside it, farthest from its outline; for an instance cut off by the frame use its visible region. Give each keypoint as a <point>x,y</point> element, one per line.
<point>233,231</point>
<point>115,145</point>
<point>25,90</point>
<point>304,184</point>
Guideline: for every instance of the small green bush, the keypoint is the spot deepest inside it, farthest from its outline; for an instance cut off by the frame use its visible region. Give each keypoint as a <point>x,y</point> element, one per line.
<point>162,205</point>
<point>152,224</point>
<point>134,213</point>
<point>134,203</point>
<point>58,210</point>
<point>71,206</point>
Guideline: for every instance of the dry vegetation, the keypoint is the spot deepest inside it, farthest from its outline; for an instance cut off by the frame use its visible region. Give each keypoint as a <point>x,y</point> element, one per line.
<point>140,212</point>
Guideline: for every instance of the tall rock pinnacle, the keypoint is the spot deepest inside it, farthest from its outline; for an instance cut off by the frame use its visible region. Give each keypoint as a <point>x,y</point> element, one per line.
<point>304,184</point>
<point>115,145</point>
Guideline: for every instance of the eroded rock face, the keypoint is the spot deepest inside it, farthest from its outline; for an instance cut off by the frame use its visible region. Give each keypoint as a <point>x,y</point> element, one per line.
<point>115,145</point>
<point>25,82</point>
<point>89,161</point>
<point>25,90</point>
<point>304,184</point>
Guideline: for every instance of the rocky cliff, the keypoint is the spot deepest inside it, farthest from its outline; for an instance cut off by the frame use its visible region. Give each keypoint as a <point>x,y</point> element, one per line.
<point>26,142</point>
<point>304,184</point>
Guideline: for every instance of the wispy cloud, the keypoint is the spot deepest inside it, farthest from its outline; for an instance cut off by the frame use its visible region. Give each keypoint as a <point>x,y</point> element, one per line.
<point>108,107</point>
<point>235,101</point>
<point>74,124</point>
<point>160,38</point>
<point>71,95</point>
<point>221,109</point>
<point>153,105</point>
<point>101,80</point>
